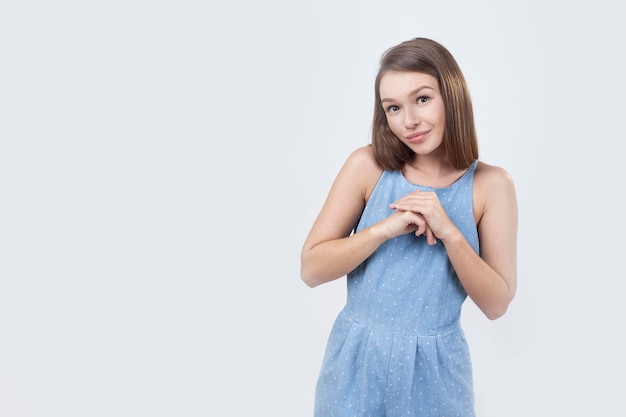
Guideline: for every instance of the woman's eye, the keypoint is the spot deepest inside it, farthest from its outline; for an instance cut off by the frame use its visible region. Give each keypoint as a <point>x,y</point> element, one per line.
<point>392,108</point>
<point>422,99</point>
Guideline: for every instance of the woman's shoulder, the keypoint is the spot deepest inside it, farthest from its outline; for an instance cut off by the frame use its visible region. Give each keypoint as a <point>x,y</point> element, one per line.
<point>362,168</point>
<point>492,175</point>
<point>362,160</point>
<point>363,155</point>
<point>492,184</point>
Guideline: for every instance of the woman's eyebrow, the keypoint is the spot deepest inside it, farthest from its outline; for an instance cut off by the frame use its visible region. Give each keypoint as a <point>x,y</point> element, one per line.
<point>417,90</point>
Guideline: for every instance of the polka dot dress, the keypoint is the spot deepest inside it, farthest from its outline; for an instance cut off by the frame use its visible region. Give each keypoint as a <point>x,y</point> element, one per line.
<point>397,348</point>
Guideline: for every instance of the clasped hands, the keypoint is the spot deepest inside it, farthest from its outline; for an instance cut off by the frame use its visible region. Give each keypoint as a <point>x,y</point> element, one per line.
<point>420,212</point>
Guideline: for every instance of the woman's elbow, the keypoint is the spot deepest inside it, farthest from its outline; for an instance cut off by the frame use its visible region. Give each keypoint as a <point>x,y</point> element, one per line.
<point>307,272</point>
<point>497,310</point>
<point>495,313</point>
<point>314,273</point>
<point>308,278</point>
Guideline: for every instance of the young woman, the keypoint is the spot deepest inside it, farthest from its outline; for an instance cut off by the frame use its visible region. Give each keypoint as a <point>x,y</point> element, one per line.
<point>417,223</point>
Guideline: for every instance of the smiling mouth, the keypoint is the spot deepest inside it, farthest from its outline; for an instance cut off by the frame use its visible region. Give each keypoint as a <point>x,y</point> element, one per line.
<point>417,136</point>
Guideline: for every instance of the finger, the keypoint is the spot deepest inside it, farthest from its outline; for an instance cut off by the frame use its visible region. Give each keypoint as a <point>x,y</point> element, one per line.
<point>402,201</point>
<point>420,224</point>
<point>430,236</point>
<point>408,203</point>
<point>422,227</point>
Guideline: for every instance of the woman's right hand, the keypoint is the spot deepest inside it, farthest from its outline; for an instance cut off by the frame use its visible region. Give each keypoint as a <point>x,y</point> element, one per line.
<point>402,222</point>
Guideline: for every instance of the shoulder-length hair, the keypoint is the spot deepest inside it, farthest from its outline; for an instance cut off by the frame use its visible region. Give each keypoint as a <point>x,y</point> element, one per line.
<point>428,57</point>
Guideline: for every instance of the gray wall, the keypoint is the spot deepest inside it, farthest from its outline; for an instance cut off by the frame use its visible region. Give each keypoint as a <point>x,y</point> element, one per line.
<point>161,163</point>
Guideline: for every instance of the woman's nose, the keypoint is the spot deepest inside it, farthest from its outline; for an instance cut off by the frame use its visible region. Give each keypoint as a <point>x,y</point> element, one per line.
<point>411,117</point>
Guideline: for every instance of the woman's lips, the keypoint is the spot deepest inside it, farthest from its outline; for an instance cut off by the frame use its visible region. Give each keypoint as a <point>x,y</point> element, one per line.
<point>417,136</point>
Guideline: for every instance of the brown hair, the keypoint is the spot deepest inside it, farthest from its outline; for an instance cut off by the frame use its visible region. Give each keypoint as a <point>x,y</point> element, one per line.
<point>428,57</point>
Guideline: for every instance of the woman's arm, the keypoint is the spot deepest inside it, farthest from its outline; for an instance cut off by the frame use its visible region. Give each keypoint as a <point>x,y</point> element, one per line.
<point>491,278</point>
<point>331,250</point>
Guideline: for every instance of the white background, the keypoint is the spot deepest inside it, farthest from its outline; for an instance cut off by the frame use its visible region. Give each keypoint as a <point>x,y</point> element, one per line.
<point>162,161</point>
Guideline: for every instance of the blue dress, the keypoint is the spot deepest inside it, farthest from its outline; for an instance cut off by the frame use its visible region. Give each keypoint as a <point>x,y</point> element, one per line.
<point>397,347</point>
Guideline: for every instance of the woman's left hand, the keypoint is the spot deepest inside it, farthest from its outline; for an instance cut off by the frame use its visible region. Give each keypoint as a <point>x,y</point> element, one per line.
<point>427,204</point>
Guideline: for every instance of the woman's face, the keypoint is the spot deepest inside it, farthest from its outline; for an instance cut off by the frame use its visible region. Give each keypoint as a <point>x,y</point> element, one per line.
<point>414,109</point>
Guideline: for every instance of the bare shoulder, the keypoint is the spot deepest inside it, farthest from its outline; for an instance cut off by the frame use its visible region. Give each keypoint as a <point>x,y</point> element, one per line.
<point>347,197</point>
<point>364,158</point>
<point>361,167</point>
<point>492,185</point>
<point>491,175</point>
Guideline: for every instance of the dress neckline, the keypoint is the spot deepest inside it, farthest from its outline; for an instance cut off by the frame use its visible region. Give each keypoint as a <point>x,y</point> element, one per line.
<point>428,187</point>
